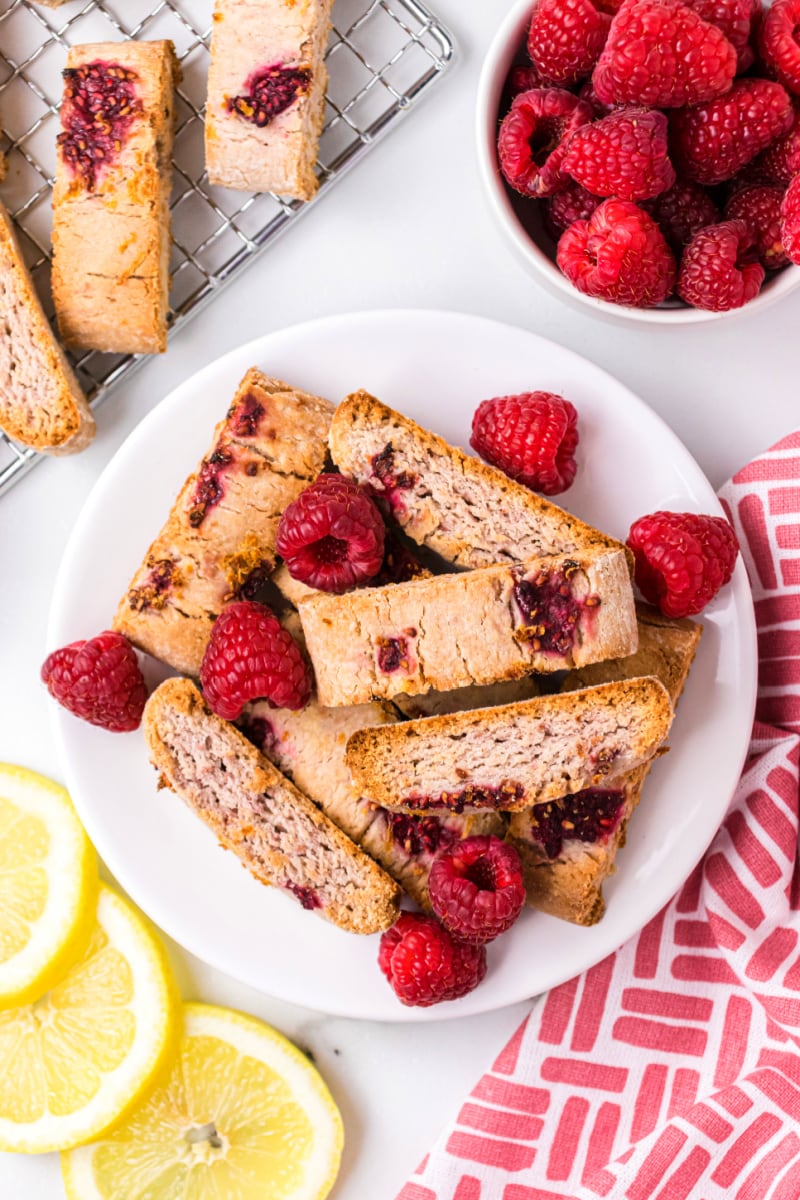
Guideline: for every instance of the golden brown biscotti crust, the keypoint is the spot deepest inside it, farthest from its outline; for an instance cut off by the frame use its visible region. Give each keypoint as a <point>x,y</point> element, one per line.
<point>369,907</point>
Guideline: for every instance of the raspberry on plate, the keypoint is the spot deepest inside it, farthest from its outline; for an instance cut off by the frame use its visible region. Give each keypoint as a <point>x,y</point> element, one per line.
<point>682,560</point>
<point>250,656</point>
<point>98,680</point>
<point>760,209</point>
<point>566,207</point>
<point>662,54</point>
<point>332,535</point>
<point>720,268</point>
<point>532,437</point>
<point>425,964</point>
<point>476,889</point>
<point>619,255</point>
<point>530,144</point>
<point>683,211</point>
<point>712,142</point>
<point>624,155</point>
<point>565,39</point>
<point>780,162</point>
<point>790,222</point>
<point>779,43</point>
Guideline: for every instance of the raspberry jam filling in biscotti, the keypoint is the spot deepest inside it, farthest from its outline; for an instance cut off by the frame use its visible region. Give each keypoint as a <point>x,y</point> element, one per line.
<point>394,653</point>
<point>245,416</point>
<point>208,490</point>
<point>100,103</point>
<point>549,612</point>
<point>418,836</point>
<point>588,816</point>
<point>269,92</point>
<point>306,895</point>
<point>155,591</point>
<point>473,795</point>
<point>392,483</point>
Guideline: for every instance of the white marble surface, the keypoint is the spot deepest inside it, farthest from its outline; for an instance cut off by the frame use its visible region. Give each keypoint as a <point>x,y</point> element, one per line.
<point>408,227</point>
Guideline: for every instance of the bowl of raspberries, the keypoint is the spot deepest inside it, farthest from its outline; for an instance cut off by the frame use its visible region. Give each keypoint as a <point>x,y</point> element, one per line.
<point>643,156</point>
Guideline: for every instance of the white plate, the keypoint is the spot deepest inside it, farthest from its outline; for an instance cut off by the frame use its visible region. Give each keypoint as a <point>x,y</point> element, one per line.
<point>435,367</point>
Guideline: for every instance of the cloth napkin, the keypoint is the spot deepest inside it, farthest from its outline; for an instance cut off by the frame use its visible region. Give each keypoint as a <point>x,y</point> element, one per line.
<point>671,1069</point>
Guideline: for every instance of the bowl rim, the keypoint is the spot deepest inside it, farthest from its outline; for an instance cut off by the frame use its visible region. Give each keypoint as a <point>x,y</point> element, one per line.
<point>494,71</point>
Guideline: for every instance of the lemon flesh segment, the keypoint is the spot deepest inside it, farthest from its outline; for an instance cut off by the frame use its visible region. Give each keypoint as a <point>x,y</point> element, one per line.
<point>77,1059</point>
<point>48,884</point>
<point>243,1115</point>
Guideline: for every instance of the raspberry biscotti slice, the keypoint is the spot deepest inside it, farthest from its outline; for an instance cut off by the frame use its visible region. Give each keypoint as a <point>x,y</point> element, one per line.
<point>514,756</point>
<point>278,833</point>
<point>466,511</point>
<point>218,543</point>
<point>476,627</point>
<point>41,403</point>
<point>266,94</point>
<point>568,846</point>
<point>111,220</point>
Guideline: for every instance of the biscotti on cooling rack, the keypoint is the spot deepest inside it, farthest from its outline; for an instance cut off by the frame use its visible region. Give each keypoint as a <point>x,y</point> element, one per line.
<point>111,220</point>
<point>277,832</point>
<point>218,543</point>
<point>476,627</point>
<point>568,847</point>
<point>266,94</point>
<point>514,756</point>
<point>41,403</point>
<point>466,511</point>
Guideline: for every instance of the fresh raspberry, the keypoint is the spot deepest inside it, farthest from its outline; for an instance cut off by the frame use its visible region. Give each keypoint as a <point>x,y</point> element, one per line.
<point>623,155</point>
<point>332,535</point>
<point>587,93</point>
<point>662,54</point>
<point>790,222</point>
<point>682,560</point>
<point>683,211</point>
<point>780,162</point>
<point>720,268</point>
<point>522,79</point>
<point>565,39</point>
<point>619,255</point>
<point>532,437</point>
<point>99,681</point>
<point>476,889</point>
<point>779,42</point>
<point>425,965</point>
<point>250,656</point>
<point>733,17</point>
<point>563,209</point>
<point>712,142</point>
<point>760,209</point>
<point>530,144</point>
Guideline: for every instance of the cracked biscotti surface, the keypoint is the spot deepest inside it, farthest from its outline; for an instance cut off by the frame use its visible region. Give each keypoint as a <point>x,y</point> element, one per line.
<point>476,627</point>
<point>278,833</point>
<point>41,403</point>
<point>218,543</point>
<point>466,511</point>
<point>514,756</point>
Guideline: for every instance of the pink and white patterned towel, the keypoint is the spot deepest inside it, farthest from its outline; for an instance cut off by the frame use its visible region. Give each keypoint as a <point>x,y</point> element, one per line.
<point>671,1070</point>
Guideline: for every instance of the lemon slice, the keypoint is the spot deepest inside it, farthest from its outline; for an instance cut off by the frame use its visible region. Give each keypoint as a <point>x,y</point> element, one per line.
<point>243,1116</point>
<point>48,884</point>
<point>78,1058</point>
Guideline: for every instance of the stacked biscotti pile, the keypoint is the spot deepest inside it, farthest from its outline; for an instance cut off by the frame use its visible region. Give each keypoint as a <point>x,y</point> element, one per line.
<point>494,677</point>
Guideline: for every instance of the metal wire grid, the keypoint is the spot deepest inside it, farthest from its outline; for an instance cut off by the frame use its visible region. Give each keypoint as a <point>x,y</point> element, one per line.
<point>382,55</point>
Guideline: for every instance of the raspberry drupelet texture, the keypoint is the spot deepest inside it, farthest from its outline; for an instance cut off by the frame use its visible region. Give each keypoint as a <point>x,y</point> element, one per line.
<point>250,656</point>
<point>476,889</point>
<point>619,255</point>
<point>532,437</point>
<point>683,211</point>
<point>780,162</point>
<point>760,209</point>
<point>720,269</point>
<point>426,965</point>
<point>332,535</point>
<point>712,142</point>
<point>623,155</point>
<point>790,222</point>
<point>733,17</point>
<point>530,144</point>
<point>99,681</point>
<point>779,42</point>
<point>587,93</point>
<point>682,560</point>
<point>661,54</point>
<point>522,79</point>
<point>566,207</point>
<point>565,38</point>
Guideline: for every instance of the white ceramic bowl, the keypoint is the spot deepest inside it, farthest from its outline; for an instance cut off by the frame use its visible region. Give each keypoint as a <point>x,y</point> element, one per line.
<point>520,218</point>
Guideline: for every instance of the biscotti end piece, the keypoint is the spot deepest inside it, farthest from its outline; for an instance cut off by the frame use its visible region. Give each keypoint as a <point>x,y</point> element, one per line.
<point>266,95</point>
<point>41,403</point>
<point>218,543</point>
<point>461,508</point>
<point>514,756</point>
<point>111,218</point>
<point>278,833</point>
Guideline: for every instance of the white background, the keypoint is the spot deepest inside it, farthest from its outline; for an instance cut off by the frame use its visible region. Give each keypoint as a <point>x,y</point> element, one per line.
<point>409,227</point>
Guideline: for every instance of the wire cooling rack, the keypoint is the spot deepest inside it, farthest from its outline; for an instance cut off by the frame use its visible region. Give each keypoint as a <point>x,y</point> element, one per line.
<point>382,55</point>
